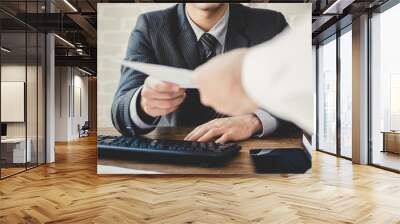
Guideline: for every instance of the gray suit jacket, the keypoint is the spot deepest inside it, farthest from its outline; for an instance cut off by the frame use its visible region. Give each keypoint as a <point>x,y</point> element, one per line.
<point>165,37</point>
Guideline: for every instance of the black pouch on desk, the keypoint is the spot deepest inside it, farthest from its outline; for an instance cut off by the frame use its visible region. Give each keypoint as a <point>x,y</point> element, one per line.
<point>282,160</point>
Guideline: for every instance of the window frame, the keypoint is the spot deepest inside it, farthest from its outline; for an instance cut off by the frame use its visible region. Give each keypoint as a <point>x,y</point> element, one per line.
<point>334,37</point>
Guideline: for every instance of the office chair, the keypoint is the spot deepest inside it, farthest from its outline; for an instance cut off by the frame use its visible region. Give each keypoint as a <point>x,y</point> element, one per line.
<point>84,130</point>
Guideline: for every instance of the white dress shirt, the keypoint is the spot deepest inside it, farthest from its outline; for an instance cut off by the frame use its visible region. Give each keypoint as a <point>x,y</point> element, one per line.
<point>219,30</point>
<point>284,86</point>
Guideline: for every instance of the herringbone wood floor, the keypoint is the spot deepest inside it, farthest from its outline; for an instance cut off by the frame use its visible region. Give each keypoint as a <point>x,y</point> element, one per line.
<point>70,191</point>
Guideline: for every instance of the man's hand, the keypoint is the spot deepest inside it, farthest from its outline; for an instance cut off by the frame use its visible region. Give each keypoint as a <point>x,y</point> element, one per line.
<point>226,129</point>
<point>160,98</point>
<point>219,83</point>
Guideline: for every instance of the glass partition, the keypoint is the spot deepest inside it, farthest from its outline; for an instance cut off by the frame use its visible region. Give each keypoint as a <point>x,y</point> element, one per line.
<point>22,77</point>
<point>14,153</point>
<point>35,89</point>
<point>31,97</point>
<point>41,97</point>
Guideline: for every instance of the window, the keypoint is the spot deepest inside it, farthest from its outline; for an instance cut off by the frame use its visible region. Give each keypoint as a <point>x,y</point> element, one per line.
<point>346,93</point>
<point>327,96</point>
<point>385,89</point>
<point>395,101</point>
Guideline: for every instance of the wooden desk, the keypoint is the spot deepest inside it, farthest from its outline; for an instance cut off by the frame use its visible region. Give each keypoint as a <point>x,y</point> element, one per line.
<point>14,151</point>
<point>391,141</point>
<point>241,164</point>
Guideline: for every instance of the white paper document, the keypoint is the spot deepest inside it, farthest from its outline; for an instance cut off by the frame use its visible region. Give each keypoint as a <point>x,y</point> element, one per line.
<point>179,76</point>
<point>105,169</point>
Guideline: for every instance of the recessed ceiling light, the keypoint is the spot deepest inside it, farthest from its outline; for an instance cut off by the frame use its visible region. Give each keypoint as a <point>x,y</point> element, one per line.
<point>64,40</point>
<point>5,50</point>
<point>337,7</point>
<point>70,5</point>
<point>84,71</point>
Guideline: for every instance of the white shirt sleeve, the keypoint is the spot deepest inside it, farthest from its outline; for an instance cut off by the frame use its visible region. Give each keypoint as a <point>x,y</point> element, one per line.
<point>277,75</point>
<point>268,122</point>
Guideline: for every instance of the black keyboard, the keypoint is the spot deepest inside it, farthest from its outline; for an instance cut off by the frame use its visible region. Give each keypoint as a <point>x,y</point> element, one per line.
<point>165,150</point>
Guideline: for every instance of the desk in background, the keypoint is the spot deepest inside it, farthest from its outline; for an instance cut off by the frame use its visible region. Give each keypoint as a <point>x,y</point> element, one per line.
<point>13,150</point>
<point>241,164</point>
<point>391,141</point>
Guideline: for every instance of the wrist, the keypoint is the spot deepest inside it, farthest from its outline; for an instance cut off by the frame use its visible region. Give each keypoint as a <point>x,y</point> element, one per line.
<point>255,123</point>
<point>143,115</point>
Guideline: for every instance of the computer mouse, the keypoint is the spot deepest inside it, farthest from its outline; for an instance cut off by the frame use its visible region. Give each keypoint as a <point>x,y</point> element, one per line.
<point>281,160</point>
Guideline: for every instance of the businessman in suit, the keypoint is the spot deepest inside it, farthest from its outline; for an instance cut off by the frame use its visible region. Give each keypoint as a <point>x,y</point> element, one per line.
<point>186,36</point>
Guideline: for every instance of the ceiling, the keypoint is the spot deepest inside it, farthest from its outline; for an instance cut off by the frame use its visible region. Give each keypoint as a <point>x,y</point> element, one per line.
<point>76,22</point>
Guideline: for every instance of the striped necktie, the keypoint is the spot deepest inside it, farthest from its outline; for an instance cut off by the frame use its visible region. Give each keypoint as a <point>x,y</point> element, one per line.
<point>208,46</point>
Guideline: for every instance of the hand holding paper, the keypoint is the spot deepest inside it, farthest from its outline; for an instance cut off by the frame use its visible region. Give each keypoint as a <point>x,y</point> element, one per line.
<point>219,83</point>
<point>179,76</point>
<point>158,98</point>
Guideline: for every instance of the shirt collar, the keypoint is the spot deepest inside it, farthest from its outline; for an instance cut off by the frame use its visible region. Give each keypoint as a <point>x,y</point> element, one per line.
<point>218,30</point>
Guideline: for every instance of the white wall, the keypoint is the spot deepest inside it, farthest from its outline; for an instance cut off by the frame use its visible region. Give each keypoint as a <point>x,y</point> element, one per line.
<point>17,73</point>
<point>67,115</point>
<point>114,23</point>
<point>80,83</point>
<point>61,103</point>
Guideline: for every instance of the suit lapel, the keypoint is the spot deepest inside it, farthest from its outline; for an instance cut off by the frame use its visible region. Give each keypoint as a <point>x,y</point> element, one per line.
<point>235,35</point>
<point>187,40</point>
